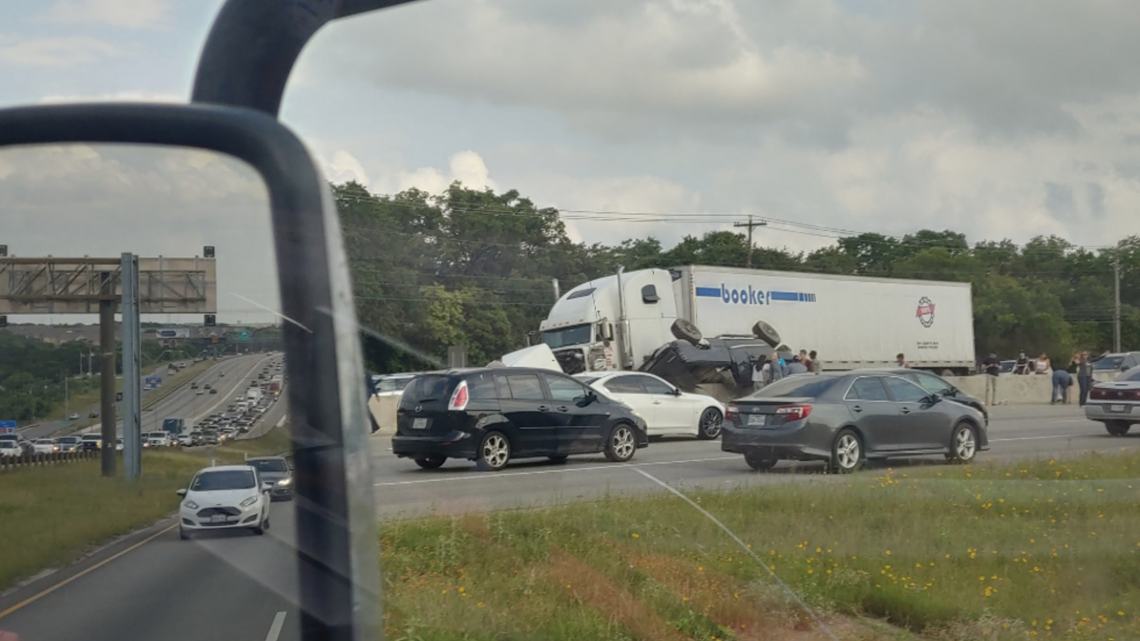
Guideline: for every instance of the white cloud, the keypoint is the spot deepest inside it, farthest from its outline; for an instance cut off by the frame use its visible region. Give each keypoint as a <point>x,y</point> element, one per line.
<point>127,14</point>
<point>467,167</point>
<point>63,51</point>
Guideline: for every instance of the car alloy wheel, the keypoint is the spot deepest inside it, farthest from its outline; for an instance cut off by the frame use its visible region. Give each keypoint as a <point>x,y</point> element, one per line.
<point>494,452</point>
<point>847,453</point>
<point>621,445</point>
<point>964,444</point>
<point>712,421</point>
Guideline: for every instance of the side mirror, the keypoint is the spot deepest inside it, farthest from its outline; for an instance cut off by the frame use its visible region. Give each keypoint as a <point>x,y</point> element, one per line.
<point>180,492</point>
<point>934,399</point>
<point>677,391</point>
<point>266,486</point>
<point>588,399</point>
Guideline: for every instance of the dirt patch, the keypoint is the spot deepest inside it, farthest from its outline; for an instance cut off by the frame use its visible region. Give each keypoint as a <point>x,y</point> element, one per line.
<point>591,588</point>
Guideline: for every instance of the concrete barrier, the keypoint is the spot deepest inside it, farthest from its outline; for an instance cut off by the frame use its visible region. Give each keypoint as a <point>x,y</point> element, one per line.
<point>383,409</point>
<point>1015,389</point>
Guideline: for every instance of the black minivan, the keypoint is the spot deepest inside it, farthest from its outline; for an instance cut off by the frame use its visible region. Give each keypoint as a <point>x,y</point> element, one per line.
<point>492,415</point>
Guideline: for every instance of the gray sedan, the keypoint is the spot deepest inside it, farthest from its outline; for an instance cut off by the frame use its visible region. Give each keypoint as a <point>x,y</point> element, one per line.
<point>276,470</point>
<point>1116,404</point>
<point>847,418</point>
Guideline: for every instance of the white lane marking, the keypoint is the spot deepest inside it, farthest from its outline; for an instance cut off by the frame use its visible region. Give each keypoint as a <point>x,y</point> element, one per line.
<point>1038,438</point>
<point>591,468</point>
<point>275,627</point>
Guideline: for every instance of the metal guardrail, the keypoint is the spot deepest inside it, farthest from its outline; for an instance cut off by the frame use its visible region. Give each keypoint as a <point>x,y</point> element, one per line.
<point>12,463</point>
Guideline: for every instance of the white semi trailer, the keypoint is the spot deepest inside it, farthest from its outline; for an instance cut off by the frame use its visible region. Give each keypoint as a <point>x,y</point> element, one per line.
<point>618,322</point>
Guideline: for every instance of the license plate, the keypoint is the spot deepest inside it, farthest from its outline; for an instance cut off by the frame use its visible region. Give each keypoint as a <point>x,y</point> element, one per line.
<point>419,423</point>
<point>1116,408</point>
<point>218,518</point>
<point>757,419</point>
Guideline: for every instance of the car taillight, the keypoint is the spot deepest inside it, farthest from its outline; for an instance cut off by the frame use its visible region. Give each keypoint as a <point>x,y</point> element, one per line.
<point>1097,392</point>
<point>731,411</point>
<point>459,398</point>
<point>794,412</point>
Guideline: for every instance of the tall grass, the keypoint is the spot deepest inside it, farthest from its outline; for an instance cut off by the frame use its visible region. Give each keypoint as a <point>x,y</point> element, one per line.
<point>1036,550</point>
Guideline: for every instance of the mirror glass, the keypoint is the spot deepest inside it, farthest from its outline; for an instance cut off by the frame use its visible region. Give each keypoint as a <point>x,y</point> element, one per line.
<point>211,382</point>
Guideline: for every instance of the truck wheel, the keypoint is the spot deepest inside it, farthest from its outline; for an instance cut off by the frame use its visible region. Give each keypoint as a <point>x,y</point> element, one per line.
<point>686,331</point>
<point>1117,428</point>
<point>766,333</point>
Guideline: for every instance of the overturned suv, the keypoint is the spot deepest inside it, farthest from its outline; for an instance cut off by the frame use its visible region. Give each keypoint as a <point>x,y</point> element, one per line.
<point>494,415</point>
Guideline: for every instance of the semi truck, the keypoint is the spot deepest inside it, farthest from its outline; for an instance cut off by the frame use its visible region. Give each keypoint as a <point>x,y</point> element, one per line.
<point>715,318</point>
<point>173,426</point>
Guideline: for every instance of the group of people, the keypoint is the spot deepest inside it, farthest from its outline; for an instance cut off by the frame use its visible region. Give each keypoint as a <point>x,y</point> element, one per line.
<point>1078,371</point>
<point>766,372</point>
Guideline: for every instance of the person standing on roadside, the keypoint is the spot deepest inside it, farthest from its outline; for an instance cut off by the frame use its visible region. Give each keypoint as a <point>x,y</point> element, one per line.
<point>797,365</point>
<point>1084,377</point>
<point>900,361</point>
<point>805,359</point>
<point>773,369</point>
<point>1041,366</point>
<point>815,367</point>
<point>758,375</point>
<point>992,368</point>
<point>1072,368</point>
<point>1022,364</point>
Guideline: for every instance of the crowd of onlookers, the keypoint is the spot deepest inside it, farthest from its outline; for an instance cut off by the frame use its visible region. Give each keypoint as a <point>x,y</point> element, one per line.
<point>775,367</point>
<point>1078,371</point>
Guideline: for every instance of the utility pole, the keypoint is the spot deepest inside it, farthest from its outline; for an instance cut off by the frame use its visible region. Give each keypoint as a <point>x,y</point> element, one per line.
<point>750,225</point>
<point>1116,309</point>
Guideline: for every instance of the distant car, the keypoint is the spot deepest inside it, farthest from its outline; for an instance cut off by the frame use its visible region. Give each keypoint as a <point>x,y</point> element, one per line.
<point>224,497</point>
<point>1110,366</point>
<point>44,446</point>
<point>213,391</point>
<point>185,439</point>
<point>391,384</point>
<point>158,439</point>
<point>68,444</point>
<point>275,469</point>
<point>93,441</point>
<point>118,445</point>
<point>93,415</point>
<point>73,416</point>
<point>221,374</point>
<point>666,409</point>
<point>1116,404</point>
<point>492,415</point>
<point>199,392</point>
<point>206,386</point>
<point>209,437</point>
<point>1007,366</point>
<point>844,418</point>
<point>10,446</point>
<point>193,386</point>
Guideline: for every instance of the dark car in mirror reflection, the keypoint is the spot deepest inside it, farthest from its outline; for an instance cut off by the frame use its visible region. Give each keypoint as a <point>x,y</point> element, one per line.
<point>494,415</point>
<point>847,418</point>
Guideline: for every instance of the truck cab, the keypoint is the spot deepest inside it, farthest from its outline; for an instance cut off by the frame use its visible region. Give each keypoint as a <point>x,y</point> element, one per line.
<point>612,323</point>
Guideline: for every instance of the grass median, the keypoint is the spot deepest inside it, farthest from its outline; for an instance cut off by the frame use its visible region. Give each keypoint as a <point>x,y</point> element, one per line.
<point>52,515</point>
<point>1041,550</point>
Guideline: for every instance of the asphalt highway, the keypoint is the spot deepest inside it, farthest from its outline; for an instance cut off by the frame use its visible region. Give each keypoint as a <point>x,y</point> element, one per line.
<point>242,586</point>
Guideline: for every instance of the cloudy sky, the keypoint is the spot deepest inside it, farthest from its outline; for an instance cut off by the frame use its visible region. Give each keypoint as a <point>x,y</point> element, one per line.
<point>1001,120</point>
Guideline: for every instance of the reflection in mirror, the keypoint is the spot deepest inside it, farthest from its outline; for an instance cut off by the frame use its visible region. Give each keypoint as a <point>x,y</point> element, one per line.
<point>211,388</point>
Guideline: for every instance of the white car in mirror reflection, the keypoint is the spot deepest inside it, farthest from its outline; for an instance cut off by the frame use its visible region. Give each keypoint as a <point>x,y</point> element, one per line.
<point>224,497</point>
<point>666,409</point>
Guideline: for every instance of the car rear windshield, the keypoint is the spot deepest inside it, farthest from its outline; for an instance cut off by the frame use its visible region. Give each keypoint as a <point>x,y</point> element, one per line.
<point>1109,362</point>
<point>270,465</point>
<point>428,390</point>
<point>222,480</point>
<point>9,437</point>
<point>392,384</point>
<point>811,386</point>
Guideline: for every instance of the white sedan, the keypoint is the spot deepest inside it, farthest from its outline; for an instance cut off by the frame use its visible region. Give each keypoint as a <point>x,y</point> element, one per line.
<point>667,410</point>
<point>44,446</point>
<point>225,497</point>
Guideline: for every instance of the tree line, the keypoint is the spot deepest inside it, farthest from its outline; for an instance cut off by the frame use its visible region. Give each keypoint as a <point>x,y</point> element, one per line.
<point>474,267</point>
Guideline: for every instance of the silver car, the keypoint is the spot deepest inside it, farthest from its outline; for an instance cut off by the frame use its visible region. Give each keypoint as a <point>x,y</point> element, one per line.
<point>1116,403</point>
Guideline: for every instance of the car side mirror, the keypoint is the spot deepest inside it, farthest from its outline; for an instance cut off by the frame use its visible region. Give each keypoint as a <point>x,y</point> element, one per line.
<point>266,486</point>
<point>677,391</point>
<point>588,399</point>
<point>934,399</point>
<point>180,492</point>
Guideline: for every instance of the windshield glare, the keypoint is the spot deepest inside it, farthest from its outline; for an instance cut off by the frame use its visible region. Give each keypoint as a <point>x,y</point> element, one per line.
<point>223,480</point>
<point>1109,362</point>
<point>573,335</point>
<point>275,465</point>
